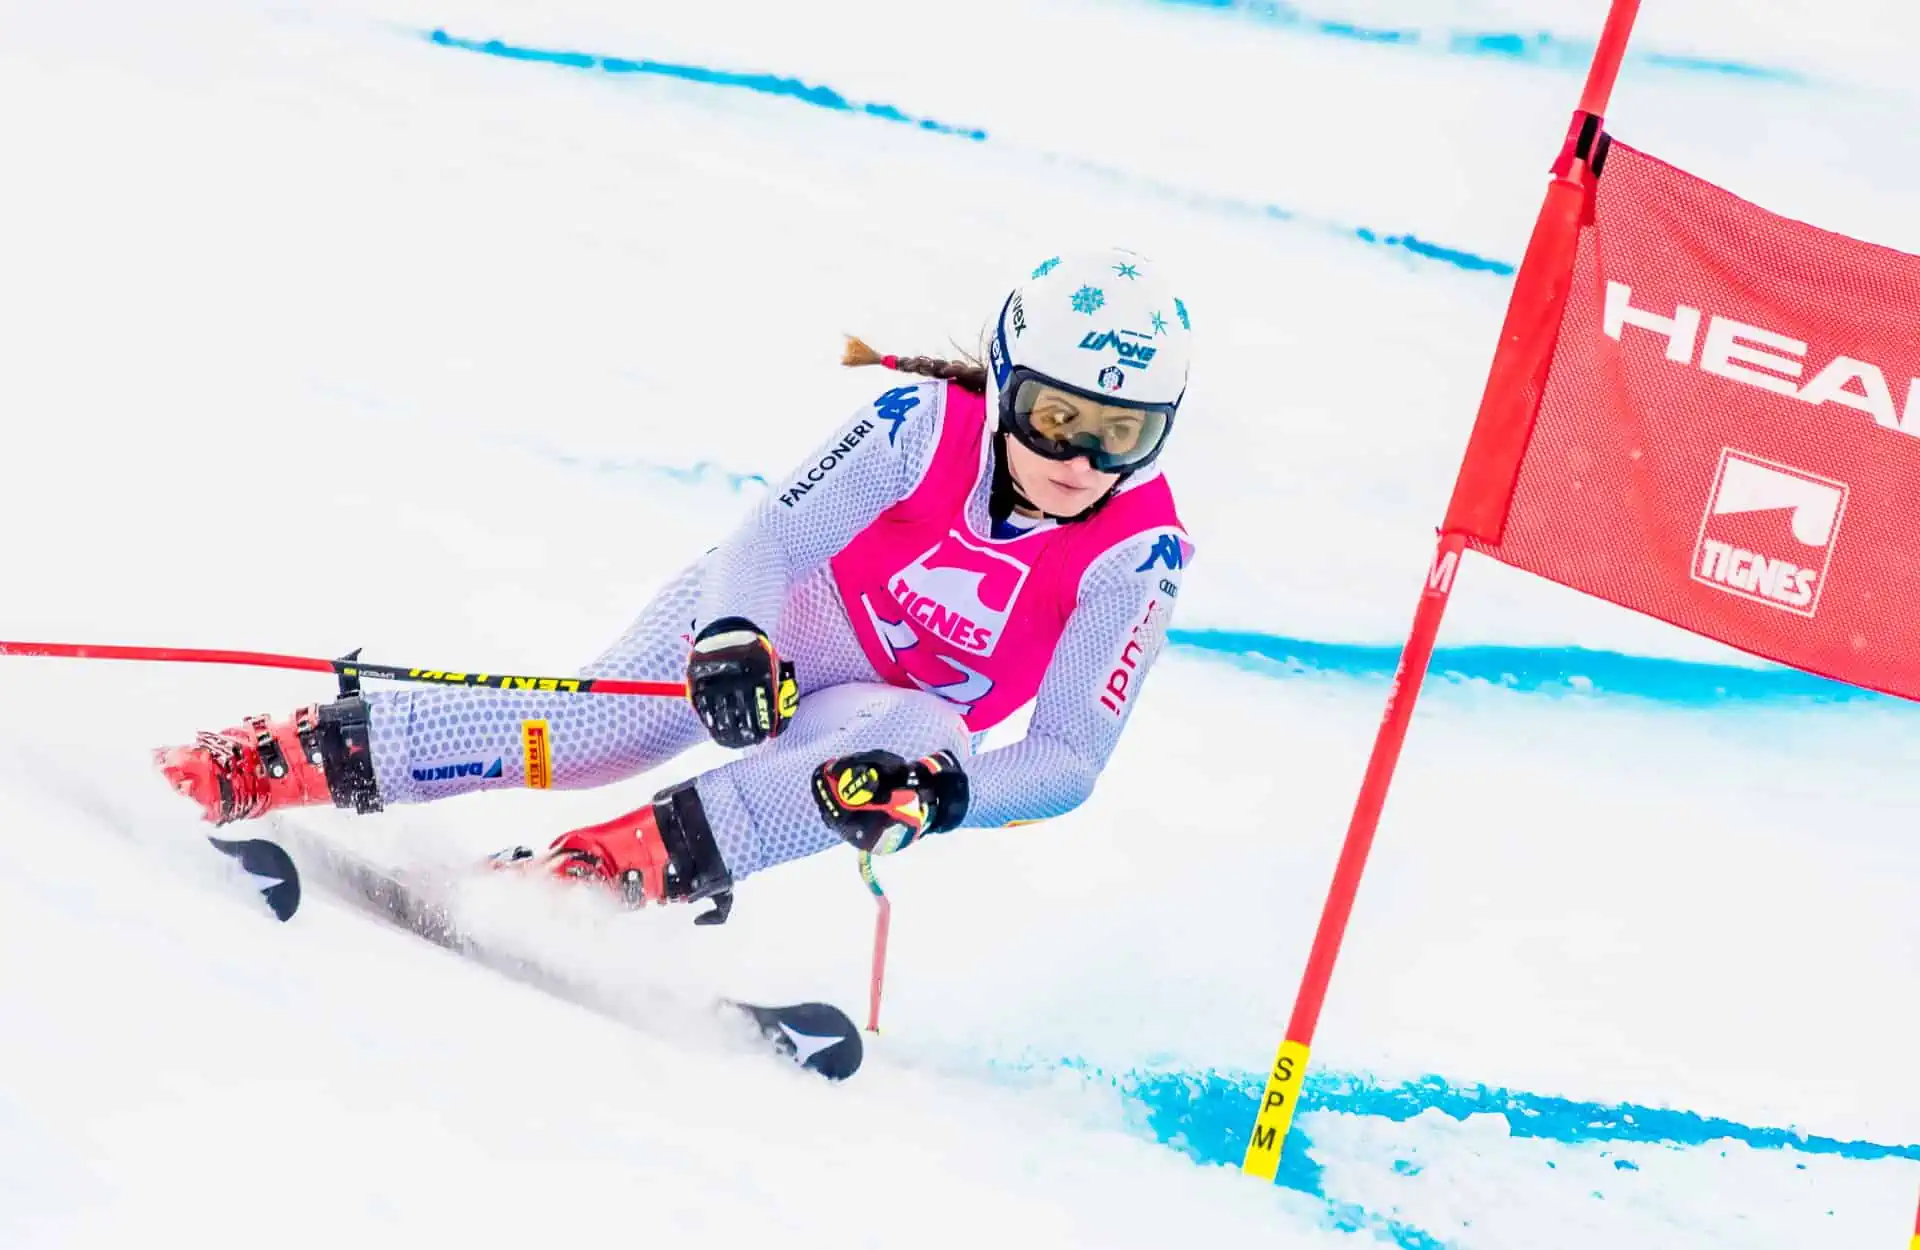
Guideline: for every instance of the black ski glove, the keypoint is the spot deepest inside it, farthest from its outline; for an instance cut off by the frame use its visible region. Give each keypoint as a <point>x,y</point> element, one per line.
<point>739,687</point>
<point>882,803</point>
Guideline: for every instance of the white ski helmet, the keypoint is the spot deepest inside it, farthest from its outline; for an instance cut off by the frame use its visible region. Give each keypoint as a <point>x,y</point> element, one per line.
<point>1102,325</point>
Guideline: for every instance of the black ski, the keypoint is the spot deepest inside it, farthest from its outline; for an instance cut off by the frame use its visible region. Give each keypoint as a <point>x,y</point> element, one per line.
<point>817,1036</point>
<point>271,868</point>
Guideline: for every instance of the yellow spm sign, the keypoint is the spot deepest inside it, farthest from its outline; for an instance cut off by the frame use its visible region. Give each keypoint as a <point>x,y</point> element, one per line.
<point>1277,1103</point>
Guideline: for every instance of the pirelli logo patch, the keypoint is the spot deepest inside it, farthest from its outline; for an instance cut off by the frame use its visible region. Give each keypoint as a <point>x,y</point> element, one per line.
<point>536,741</point>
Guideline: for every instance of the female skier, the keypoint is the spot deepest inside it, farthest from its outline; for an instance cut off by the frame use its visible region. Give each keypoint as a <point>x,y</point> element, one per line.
<point>961,546</point>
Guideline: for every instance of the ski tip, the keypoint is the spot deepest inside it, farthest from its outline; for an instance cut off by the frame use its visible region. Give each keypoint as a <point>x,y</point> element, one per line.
<point>271,868</point>
<point>818,1036</point>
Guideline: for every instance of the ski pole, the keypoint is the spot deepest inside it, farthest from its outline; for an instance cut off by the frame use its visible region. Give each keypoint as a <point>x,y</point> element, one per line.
<point>880,923</point>
<point>349,668</point>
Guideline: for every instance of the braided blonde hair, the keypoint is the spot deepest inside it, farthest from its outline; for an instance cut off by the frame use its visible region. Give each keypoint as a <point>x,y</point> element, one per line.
<point>966,372</point>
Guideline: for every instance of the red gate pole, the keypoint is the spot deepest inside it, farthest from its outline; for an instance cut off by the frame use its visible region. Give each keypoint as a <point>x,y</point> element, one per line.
<point>1612,49</point>
<point>1520,363</point>
<point>1289,1070</point>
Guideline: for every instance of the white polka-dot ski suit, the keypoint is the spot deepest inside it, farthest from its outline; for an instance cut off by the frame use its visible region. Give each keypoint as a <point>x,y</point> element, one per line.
<point>433,743</point>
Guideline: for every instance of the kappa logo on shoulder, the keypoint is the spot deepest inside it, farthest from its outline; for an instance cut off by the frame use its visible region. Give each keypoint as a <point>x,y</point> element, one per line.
<point>893,408</point>
<point>1169,549</point>
<point>1743,547</point>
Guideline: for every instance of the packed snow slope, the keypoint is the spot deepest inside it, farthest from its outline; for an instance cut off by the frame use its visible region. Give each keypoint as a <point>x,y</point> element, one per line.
<point>450,328</point>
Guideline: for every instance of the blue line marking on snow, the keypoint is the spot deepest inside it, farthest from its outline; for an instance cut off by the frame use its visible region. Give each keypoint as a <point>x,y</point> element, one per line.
<point>827,98</point>
<point>1433,251</point>
<point>1207,1115</point>
<point>1216,1134</point>
<point>1230,206</point>
<point>1569,671</point>
<point>1711,65</point>
<point>1539,47</point>
<point>699,474</point>
<point>765,84</point>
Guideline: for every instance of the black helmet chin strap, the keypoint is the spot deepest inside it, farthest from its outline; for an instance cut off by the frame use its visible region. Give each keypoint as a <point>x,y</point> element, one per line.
<point>1007,494</point>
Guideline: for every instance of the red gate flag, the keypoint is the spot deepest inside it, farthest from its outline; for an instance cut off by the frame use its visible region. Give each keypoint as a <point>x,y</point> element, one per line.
<point>1728,433</point>
<point>1698,410</point>
<point>1518,374</point>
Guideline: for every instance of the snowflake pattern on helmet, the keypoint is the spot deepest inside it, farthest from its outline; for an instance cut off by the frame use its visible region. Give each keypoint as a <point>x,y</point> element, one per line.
<point>1180,310</point>
<point>1046,267</point>
<point>1090,310</point>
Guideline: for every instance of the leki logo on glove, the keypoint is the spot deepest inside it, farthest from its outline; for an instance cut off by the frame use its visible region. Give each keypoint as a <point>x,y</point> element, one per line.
<point>856,786</point>
<point>1768,532</point>
<point>961,593</point>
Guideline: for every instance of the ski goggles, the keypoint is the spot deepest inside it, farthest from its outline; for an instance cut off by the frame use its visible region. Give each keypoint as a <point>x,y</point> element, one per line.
<point>1059,423</point>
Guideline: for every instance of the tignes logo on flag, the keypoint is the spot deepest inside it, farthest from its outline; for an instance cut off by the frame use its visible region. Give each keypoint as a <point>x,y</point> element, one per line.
<point>1768,532</point>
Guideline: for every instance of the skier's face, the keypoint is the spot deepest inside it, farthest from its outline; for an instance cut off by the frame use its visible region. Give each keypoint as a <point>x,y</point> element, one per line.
<point>1056,487</point>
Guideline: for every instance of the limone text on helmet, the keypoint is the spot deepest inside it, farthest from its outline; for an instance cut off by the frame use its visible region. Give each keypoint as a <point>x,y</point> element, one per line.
<point>1133,354</point>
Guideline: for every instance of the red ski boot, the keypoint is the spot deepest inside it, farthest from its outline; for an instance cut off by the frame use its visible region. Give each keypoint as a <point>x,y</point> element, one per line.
<point>626,850</point>
<point>320,753</point>
<point>661,853</point>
